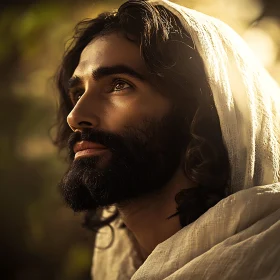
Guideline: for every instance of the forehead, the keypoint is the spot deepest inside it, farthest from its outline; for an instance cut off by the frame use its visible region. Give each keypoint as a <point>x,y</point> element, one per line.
<point>110,50</point>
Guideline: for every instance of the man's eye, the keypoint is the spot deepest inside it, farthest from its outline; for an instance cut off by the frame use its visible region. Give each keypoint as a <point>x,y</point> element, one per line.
<point>119,85</point>
<point>75,96</point>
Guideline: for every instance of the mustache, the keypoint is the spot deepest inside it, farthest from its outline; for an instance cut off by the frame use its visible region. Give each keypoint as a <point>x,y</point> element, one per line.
<point>112,141</point>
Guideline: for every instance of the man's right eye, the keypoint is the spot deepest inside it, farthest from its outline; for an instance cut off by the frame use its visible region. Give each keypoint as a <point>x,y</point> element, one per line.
<point>76,95</point>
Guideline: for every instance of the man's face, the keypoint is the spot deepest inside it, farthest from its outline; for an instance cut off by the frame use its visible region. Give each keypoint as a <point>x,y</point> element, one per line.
<point>128,140</point>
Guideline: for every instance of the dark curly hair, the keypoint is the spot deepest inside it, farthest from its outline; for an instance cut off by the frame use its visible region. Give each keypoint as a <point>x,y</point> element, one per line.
<point>172,58</point>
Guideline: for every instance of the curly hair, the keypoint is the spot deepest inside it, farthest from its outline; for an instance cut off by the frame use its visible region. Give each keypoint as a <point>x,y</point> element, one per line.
<point>172,58</point>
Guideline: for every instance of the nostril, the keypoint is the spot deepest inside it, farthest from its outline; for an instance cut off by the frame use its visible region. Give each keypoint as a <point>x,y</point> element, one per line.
<point>84,123</point>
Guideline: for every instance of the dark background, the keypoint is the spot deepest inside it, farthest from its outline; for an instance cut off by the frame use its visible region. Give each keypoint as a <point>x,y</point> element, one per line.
<point>39,237</point>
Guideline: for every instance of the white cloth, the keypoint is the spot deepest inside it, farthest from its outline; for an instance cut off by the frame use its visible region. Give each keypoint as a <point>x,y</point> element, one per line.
<point>239,238</point>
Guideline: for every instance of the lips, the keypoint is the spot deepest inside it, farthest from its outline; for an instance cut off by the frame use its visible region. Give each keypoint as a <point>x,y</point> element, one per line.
<point>85,145</point>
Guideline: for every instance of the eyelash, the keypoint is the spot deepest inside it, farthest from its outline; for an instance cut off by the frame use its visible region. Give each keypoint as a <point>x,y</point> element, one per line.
<point>118,81</point>
<point>76,95</point>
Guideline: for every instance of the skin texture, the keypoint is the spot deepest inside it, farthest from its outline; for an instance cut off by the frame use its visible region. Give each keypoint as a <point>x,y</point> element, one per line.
<point>108,105</point>
<point>112,110</point>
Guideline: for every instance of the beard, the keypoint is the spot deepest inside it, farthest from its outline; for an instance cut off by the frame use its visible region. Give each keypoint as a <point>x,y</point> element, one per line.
<point>142,161</point>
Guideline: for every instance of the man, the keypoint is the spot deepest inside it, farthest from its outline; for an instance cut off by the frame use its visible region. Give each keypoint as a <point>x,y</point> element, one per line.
<point>174,125</point>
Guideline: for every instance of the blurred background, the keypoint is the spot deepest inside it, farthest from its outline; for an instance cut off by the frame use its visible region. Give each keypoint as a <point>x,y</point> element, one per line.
<point>40,238</point>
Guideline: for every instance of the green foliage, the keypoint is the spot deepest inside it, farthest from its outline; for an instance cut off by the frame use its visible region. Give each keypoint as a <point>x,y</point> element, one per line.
<point>41,239</point>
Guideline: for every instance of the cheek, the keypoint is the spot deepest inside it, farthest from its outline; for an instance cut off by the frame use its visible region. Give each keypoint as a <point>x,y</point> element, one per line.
<point>130,111</point>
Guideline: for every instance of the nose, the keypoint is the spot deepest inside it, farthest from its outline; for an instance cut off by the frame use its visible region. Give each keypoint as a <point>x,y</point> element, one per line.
<point>83,114</point>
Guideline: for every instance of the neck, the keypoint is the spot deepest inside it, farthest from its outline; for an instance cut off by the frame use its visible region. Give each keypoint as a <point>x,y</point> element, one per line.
<point>147,217</point>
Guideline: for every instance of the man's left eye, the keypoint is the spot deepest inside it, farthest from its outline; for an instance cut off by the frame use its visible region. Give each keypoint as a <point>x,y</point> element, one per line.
<point>120,85</point>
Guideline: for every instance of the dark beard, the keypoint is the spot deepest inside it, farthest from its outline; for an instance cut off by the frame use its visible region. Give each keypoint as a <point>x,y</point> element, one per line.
<point>143,159</point>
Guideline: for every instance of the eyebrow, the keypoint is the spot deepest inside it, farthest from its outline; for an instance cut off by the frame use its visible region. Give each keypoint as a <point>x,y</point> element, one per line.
<point>102,72</point>
<point>74,81</point>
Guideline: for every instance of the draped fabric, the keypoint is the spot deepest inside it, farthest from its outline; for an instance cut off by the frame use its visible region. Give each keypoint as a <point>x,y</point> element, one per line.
<point>239,238</point>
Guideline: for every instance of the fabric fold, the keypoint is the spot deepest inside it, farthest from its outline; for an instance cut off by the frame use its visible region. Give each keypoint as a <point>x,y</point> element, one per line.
<point>224,243</point>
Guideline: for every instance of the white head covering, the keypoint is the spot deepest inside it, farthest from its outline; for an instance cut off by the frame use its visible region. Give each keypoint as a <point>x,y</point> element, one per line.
<point>239,237</point>
<point>246,97</point>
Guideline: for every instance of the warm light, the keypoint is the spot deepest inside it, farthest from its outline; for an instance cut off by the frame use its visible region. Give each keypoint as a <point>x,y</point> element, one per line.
<point>262,45</point>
